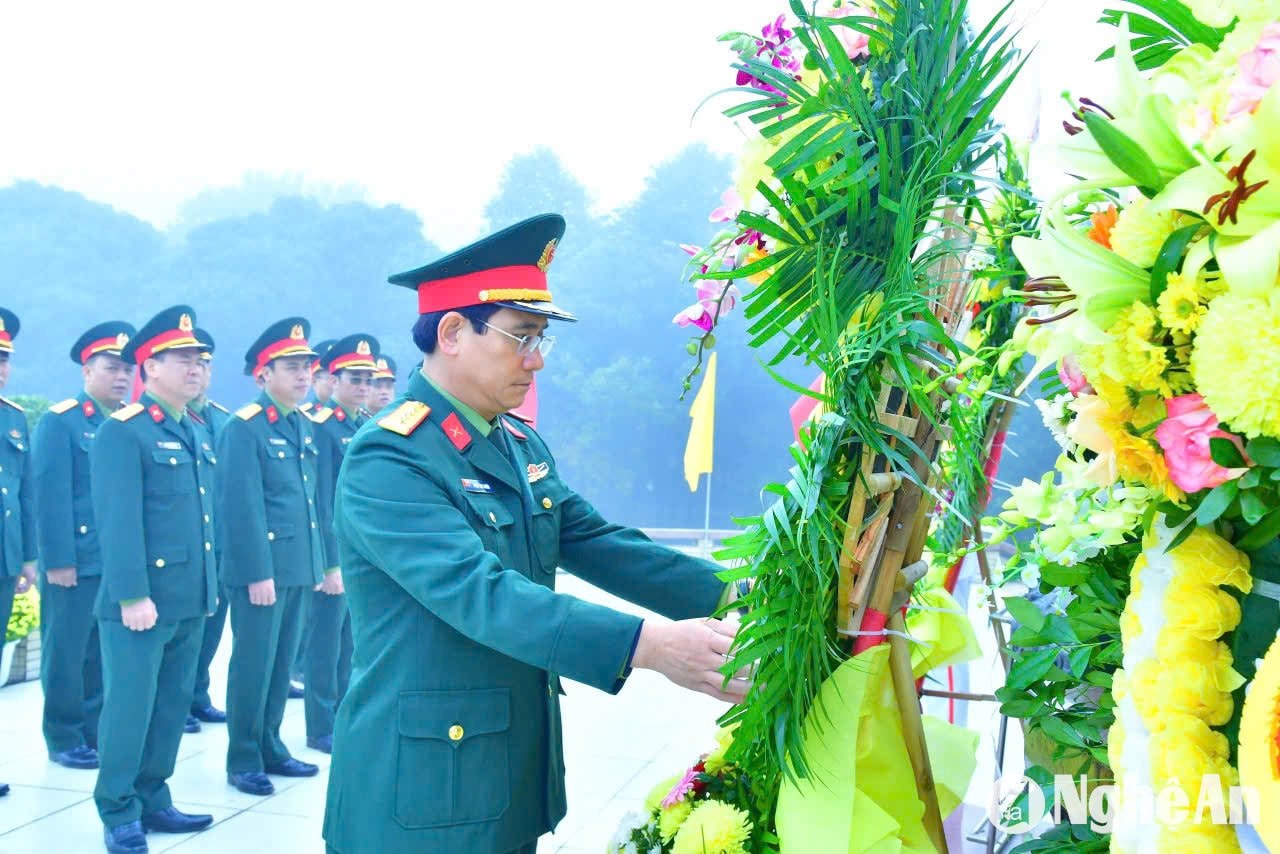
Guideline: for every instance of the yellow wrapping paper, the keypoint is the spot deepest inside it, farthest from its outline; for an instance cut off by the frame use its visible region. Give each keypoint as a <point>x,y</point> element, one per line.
<point>942,638</point>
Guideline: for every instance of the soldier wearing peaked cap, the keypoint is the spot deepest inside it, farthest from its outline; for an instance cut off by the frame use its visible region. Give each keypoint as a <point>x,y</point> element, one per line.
<point>451,519</point>
<point>271,555</point>
<point>210,417</point>
<point>351,361</point>
<point>70,560</point>
<point>152,486</point>
<point>384,384</point>
<point>321,380</point>
<point>17,501</point>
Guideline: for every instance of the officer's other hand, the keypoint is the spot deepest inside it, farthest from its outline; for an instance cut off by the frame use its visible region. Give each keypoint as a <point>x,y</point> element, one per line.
<point>690,653</point>
<point>139,616</point>
<point>27,579</point>
<point>65,577</point>
<point>332,583</point>
<point>263,592</point>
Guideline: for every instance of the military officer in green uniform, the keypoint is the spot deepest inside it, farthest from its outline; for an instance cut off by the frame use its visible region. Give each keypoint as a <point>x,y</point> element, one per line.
<point>210,417</point>
<point>384,384</point>
<point>321,380</point>
<point>351,361</point>
<point>271,555</point>
<point>451,519</point>
<point>17,501</point>
<point>152,486</point>
<point>70,562</point>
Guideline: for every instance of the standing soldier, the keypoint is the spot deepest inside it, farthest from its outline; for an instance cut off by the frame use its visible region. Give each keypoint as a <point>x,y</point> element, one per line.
<point>351,362</point>
<point>70,657</point>
<point>210,417</point>
<point>18,524</point>
<point>271,555</point>
<point>152,484</point>
<point>321,380</point>
<point>384,384</point>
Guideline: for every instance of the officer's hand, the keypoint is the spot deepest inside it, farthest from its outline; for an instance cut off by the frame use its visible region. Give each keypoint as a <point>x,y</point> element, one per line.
<point>139,616</point>
<point>332,583</point>
<point>65,577</point>
<point>263,592</point>
<point>690,653</point>
<point>28,578</point>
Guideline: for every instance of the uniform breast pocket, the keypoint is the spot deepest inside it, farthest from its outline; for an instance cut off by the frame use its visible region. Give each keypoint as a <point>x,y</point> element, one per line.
<point>169,472</point>
<point>548,498</point>
<point>453,758</point>
<point>13,455</point>
<point>492,521</point>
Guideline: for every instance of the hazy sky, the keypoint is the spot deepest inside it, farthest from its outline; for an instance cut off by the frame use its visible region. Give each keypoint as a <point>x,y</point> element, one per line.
<point>144,103</point>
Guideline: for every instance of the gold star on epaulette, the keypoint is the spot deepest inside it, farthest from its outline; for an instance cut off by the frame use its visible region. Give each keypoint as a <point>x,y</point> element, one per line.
<point>405,418</point>
<point>63,406</point>
<point>248,411</point>
<point>127,412</point>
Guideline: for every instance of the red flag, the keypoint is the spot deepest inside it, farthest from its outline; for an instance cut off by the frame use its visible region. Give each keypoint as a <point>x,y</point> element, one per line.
<point>137,386</point>
<point>528,411</point>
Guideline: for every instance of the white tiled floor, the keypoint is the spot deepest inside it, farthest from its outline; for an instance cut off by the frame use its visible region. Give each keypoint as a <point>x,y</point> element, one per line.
<point>616,749</point>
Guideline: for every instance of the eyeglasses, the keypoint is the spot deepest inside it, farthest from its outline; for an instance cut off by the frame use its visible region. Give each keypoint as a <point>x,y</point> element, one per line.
<point>527,344</point>
<point>359,379</point>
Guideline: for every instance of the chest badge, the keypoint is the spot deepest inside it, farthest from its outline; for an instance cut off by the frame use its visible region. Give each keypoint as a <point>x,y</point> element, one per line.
<point>169,446</point>
<point>476,486</point>
<point>538,472</point>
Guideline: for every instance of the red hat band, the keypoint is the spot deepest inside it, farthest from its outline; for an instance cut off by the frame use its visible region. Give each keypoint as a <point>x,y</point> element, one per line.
<point>166,341</point>
<point>502,284</point>
<point>290,346</point>
<point>112,345</point>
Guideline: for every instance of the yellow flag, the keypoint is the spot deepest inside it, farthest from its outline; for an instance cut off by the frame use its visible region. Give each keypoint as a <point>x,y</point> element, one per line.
<point>697,453</point>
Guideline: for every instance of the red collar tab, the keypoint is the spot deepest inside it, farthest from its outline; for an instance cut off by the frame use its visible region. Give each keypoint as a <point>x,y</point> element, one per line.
<point>88,408</point>
<point>339,413</point>
<point>456,433</point>
<point>273,415</point>
<point>515,431</point>
<point>156,413</point>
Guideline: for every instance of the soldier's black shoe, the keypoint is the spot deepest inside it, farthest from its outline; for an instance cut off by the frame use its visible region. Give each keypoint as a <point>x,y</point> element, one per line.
<point>322,743</point>
<point>296,691</point>
<point>125,839</point>
<point>209,714</point>
<point>294,768</point>
<point>192,724</point>
<point>4,789</point>
<point>252,783</point>
<point>173,820</point>
<point>81,758</point>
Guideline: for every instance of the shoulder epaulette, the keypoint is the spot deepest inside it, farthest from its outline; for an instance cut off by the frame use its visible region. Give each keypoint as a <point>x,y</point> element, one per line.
<point>306,407</point>
<point>248,411</point>
<point>63,406</point>
<point>219,407</point>
<point>11,403</point>
<point>321,415</point>
<point>405,418</point>
<point>127,412</point>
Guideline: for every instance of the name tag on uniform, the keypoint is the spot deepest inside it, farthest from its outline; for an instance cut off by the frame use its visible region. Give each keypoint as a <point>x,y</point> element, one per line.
<point>476,485</point>
<point>169,446</point>
<point>275,441</point>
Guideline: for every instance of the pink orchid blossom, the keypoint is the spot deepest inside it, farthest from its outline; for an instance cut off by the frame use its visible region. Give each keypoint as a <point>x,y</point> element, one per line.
<point>702,313</point>
<point>1258,71</point>
<point>772,45</point>
<point>1185,436</point>
<point>856,44</point>
<point>730,205</point>
<point>682,789</point>
<point>690,249</point>
<point>1073,377</point>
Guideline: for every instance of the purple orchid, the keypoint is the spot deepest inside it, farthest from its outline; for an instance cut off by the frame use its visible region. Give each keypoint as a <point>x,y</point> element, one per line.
<point>702,313</point>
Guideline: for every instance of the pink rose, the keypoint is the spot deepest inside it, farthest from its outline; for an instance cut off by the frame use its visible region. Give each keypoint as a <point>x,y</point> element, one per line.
<point>1258,71</point>
<point>1185,436</point>
<point>1072,377</point>
<point>856,44</point>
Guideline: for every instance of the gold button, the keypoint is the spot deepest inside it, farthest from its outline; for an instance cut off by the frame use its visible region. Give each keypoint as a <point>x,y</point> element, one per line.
<point>546,502</point>
<point>313,524</point>
<point>455,733</point>
<point>270,535</point>
<point>202,490</point>
<point>84,529</point>
<point>206,519</point>
<point>208,547</point>
<point>159,563</point>
<point>282,455</point>
<point>493,518</point>
<point>173,461</point>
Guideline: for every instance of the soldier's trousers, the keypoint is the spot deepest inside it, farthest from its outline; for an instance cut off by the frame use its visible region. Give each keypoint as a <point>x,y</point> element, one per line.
<point>264,641</point>
<point>147,677</point>
<point>328,661</point>
<point>70,664</point>
<point>213,627</point>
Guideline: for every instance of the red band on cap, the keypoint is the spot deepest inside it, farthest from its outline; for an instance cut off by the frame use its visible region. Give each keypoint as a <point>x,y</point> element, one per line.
<point>351,361</point>
<point>462,291</point>
<point>165,341</point>
<point>282,348</point>
<point>102,345</point>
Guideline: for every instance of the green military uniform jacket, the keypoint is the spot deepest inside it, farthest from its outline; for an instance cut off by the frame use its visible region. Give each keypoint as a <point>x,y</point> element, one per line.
<point>17,500</point>
<point>268,502</point>
<point>449,736</point>
<point>334,430</point>
<point>152,485</point>
<point>68,530</point>
<point>212,418</point>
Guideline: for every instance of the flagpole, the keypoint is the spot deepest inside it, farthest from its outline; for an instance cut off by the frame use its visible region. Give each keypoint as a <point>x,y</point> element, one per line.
<point>706,519</point>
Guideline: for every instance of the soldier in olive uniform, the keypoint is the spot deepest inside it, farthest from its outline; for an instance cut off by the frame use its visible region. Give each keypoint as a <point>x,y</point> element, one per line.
<point>152,485</point>
<point>210,416</point>
<point>71,565</point>
<point>17,502</point>
<point>351,361</point>
<point>271,555</point>
<point>451,520</point>
<point>384,384</point>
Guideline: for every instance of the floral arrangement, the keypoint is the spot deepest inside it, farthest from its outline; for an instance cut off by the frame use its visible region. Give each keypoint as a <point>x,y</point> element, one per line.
<point>25,617</point>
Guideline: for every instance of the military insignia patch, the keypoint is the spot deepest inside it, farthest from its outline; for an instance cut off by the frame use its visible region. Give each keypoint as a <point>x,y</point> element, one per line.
<point>457,434</point>
<point>88,409</point>
<point>244,413</point>
<point>64,406</point>
<point>538,472</point>
<point>321,415</point>
<point>15,433</point>
<point>363,349</point>
<point>405,418</point>
<point>272,414</point>
<point>127,412</point>
<point>548,254</point>
<point>156,413</point>
<point>476,486</point>
<point>296,333</point>
<point>184,323</point>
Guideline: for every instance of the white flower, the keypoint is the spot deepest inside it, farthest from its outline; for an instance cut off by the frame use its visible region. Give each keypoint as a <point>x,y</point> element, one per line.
<point>1056,417</point>
<point>1031,575</point>
<point>621,842</point>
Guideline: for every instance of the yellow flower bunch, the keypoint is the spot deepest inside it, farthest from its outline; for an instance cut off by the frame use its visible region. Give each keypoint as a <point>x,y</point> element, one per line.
<point>714,827</point>
<point>1111,429</point>
<point>1139,233</point>
<point>1235,360</point>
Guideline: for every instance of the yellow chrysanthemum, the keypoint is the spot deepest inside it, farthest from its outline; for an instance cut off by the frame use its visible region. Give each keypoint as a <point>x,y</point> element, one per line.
<point>1236,359</point>
<point>672,818</point>
<point>1179,306</point>
<point>715,761</point>
<point>714,828</point>
<point>1140,232</point>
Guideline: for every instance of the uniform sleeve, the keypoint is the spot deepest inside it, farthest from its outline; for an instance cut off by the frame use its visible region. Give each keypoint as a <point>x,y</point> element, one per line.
<point>403,522</point>
<point>327,475</point>
<point>244,552</point>
<point>52,454</point>
<point>115,474</point>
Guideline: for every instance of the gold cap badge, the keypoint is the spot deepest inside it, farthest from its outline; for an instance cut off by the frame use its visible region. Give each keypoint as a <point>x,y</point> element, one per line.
<point>184,323</point>
<point>296,332</point>
<point>547,255</point>
<point>363,348</point>
<point>122,339</point>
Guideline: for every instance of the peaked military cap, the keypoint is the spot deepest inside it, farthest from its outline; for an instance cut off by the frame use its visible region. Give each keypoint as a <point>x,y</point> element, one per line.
<point>322,349</point>
<point>283,338</point>
<point>205,338</point>
<point>172,329</point>
<point>507,269</point>
<point>357,352</point>
<point>110,337</point>
<point>9,327</point>
<point>386,368</point>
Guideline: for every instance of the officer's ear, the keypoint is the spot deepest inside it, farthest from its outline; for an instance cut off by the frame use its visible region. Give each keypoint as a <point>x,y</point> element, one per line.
<point>449,331</point>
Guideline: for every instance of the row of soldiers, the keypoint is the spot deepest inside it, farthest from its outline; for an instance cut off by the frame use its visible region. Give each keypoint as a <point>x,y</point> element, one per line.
<point>150,522</point>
